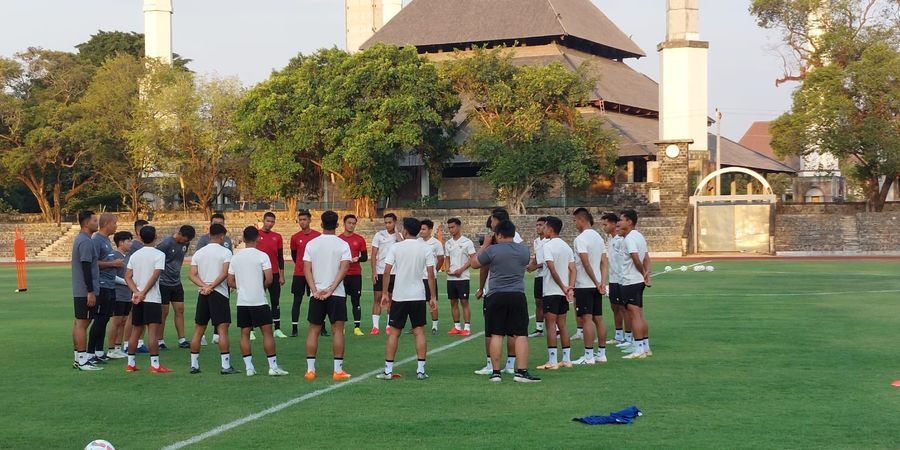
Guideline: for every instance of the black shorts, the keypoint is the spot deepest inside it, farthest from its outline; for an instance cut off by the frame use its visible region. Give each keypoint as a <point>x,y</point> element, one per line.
<point>82,312</point>
<point>212,308</point>
<point>353,286</point>
<point>556,304</point>
<point>633,294</point>
<point>588,301</point>
<point>615,294</point>
<point>146,313</point>
<point>106,302</point>
<point>378,288</point>
<point>538,288</point>
<point>122,309</point>
<point>428,290</point>
<point>298,285</point>
<point>414,311</point>
<point>254,316</point>
<point>171,294</point>
<point>335,308</point>
<point>506,314</point>
<point>458,289</point>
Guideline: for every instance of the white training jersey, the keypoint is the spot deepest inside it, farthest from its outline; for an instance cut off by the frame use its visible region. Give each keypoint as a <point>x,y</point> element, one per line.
<point>539,256</point>
<point>325,254</point>
<point>210,261</point>
<point>616,255</point>
<point>557,251</point>
<point>634,242</point>
<point>248,266</point>
<point>142,264</point>
<point>437,249</point>
<point>458,252</point>
<point>383,241</point>
<point>590,242</point>
<point>407,260</point>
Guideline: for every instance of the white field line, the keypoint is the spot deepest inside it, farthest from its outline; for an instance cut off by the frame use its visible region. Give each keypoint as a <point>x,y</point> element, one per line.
<point>785,294</point>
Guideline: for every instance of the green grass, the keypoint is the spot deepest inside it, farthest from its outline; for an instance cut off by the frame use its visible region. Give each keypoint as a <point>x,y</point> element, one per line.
<point>759,354</point>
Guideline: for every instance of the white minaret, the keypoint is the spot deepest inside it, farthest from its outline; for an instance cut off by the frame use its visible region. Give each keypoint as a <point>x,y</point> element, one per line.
<point>158,30</point>
<point>683,88</point>
<point>366,17</point>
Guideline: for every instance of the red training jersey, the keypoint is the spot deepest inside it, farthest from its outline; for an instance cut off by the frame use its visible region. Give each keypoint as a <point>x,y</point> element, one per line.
<point>298,244</point>
<point>269,243</point>
<point>357,245</point>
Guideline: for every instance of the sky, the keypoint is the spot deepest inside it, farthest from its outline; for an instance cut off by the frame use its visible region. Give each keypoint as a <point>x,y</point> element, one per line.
<point>233,38</point>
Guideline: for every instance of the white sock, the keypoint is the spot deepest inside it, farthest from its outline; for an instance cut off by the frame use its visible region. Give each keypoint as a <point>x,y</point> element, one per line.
<point>640,346</point>
<point>140,342</point>
<point>468,326</point>
<point>180,340</point>
<point>75,355</point>
<point>118,348</point>
<point>551,352</point>
<point>338,365</point>
<point>588,353</point>
<point>456,326</point>
<point>310,364</point>
<point>629,337</point>
<point>490,365</point>
<point>154,362</point>
<point>273,362</point>
<point>98,353</point>
<point>388,367</point>
<point>195,360</point>
<point>647,344</point>
<point>161,342</point>
<point>226,360</point>
<point>420,368</point>
<point>540,326</point>
<point>248,362</point>
<point>375,319</point>
<point>567,354</point>
<point>82,358</point>
<point>601,353</point>
<point>619,335</point>
<point>434,324</point>
<point>510,362</point>
<point>579,331</point>
<point>131,360</point>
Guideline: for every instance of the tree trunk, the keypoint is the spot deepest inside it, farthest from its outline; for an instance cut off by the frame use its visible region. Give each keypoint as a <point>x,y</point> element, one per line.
<point>515,200</point>
<point>879,195</point>
<point>57,208</point>
<point>37,190</point>
<point>290,203</point>
<point>364,208</point>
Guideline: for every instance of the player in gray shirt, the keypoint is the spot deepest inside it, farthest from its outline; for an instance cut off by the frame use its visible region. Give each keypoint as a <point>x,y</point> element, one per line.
<point>122,305</point>
<point>216,218</point>
<point>175,247</point>
<point>85,287</point>
<point>107,297</point>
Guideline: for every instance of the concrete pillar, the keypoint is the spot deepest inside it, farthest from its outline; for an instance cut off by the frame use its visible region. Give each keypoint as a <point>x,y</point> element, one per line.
<point>425,182</point>
<point>673,177</point>
<point>365,17</point>
<point>158,30</point>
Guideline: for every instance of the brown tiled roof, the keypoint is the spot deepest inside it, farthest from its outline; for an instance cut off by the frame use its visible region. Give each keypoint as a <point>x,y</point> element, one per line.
<point>736,155</point>
<point>460,23</point>
<point>759,139</point>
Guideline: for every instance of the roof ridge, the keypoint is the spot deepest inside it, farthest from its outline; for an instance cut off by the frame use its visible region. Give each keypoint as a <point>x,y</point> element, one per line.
<point>753,151</point>
<point>558,17</point>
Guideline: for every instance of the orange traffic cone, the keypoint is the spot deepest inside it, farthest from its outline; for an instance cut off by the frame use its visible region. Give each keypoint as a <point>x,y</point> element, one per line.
<point>19,252</point>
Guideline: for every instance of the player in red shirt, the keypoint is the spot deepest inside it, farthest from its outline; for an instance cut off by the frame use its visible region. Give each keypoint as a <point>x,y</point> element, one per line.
<point>299,285</point>
<point>272,245</point>
<point>353,279</point>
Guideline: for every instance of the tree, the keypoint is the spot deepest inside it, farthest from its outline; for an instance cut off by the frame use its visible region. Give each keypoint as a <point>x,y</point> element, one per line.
<point>353,116</point>
<point>527,128</point>
<point>41,134</point>
<point>845,55</point>
<point>107,44</point>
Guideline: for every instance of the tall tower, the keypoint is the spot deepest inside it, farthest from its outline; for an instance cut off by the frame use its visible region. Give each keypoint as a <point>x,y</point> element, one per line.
<point>158,30</point>
<point>366,17</point>
<point>683,89</point>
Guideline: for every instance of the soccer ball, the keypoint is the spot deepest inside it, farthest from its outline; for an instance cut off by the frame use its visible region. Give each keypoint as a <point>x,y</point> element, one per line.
<point>710,268</point>
<point>683,268</point>
<point>700,268</point>
<point>99,444</point>
<point>668,268</point>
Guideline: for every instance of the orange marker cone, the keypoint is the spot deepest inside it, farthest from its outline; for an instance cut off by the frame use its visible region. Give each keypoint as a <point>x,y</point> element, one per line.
<point>19,251</point>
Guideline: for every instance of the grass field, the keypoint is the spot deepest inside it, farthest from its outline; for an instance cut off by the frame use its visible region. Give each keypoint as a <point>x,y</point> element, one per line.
<point>758,354</point>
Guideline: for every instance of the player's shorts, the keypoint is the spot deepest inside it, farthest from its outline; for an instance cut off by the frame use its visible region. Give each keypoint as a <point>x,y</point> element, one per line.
<point>378,288</point>
<point>437,293</point>
<point>633,294</point>
<point>82,311</point>
<point>414,311</point>
<point>171,294</point>
<point>458,289</point>
<point>334,307</point>
<point>212,308</point>
<point>556,304</point>
<point>353,286</point>
<point>299,286</point>
<point>122,309</point>
<point>106,302</point>
<point>615,294</point>
<point>538,288</point>
<point>588,301</point>
<point>146,313</point>
<point>506,314</point>
<point>254,316</point>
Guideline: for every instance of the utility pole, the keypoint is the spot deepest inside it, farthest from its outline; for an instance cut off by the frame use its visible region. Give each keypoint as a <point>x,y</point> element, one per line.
<point>718,151</point>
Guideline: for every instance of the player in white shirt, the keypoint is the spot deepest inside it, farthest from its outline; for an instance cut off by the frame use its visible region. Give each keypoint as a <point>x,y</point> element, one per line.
<point>427,235</point>
<point>533,266</point>
<point>142,273</point>
<point>325,264</point>
<point>559,291</point>
<point>458,250</point>
<point>381,246</point>
<point>609,223</point>
<point>635,278</point>
<point>591,267</point>
<point>250,272</point>
<point>209,272</point>
<point>406,261</point>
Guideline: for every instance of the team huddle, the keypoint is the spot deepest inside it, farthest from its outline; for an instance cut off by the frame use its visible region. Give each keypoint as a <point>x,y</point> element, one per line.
<point>131,282</point>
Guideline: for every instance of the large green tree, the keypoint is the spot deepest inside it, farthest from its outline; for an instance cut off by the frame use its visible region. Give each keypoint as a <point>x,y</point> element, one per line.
<point>107,44</point>
<point>845,55</point>
<point>527,128</point>
<point>352,116</point>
